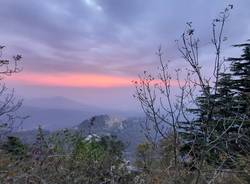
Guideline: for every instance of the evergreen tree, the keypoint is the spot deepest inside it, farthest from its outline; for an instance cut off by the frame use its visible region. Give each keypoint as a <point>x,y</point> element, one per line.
<point>40,139</point>
<point>240,69</point>
<point>15,147</point>
<point>40,147</point>
<point>224,98</point>
<point>225,113</point>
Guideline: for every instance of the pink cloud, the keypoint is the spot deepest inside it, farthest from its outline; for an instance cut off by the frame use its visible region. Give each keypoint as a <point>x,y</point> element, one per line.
<point>79,80</point>
<point>70,80</point>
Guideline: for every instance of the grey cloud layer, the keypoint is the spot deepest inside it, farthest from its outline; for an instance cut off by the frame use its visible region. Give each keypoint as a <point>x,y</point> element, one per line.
<point>107,36</point>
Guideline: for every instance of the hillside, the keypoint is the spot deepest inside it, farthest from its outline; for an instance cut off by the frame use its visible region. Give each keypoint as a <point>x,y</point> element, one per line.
<point>127,130</point>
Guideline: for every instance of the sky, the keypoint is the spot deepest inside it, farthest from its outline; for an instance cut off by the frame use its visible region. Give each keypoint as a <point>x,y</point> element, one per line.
<point>91,50</point>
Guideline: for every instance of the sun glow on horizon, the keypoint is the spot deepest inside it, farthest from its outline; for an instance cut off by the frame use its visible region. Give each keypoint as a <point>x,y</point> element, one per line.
<point>71,80</point>
<point>77,80</point>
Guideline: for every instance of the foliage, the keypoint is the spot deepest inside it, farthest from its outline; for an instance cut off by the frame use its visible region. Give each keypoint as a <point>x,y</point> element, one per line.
<point>90,159</point>
<point>207,116</point>
<point>144,157</point>
<point>15,147</point>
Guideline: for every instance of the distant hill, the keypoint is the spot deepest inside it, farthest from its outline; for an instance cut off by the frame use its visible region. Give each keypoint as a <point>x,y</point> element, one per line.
<point>59,102</point>
<point>52,119</point>
<point>59,112</point>
<point>128,130</point>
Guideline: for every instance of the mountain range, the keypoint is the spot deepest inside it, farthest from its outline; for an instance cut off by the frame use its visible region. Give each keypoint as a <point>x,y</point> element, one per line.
<point>59,112</point>
<point>127,130</point>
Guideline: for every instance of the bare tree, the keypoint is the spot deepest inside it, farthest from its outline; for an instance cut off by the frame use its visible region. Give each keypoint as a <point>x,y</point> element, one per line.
<point>9,104</point>
<point>167,109</point>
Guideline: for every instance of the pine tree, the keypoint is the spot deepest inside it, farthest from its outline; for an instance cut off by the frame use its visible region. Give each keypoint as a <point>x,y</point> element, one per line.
<point>15,146</point>
<point>240,69</point>
<point>40,139</point>
<point>226,112</point>
<point>40,147</point>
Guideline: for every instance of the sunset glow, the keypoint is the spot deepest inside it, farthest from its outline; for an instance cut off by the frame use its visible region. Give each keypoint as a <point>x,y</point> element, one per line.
<point>71,80</point>
<point>77,80</point>
<point>91,50</point>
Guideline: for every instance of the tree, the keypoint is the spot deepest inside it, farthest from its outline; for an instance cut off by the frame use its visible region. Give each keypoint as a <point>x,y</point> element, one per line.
<point>41,142</point>
<point>240,68</point>
<point>8,103</point>
<point>201,131</point>
<point>231,103</point>
<point>15,147</point>
<point>240,71</point>
<point>144,160</point>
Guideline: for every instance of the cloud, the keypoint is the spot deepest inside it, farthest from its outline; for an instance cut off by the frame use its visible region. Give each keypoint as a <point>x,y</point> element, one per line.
<point>76,80</point>
<point>113,37</point>
<point>90,50</point>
